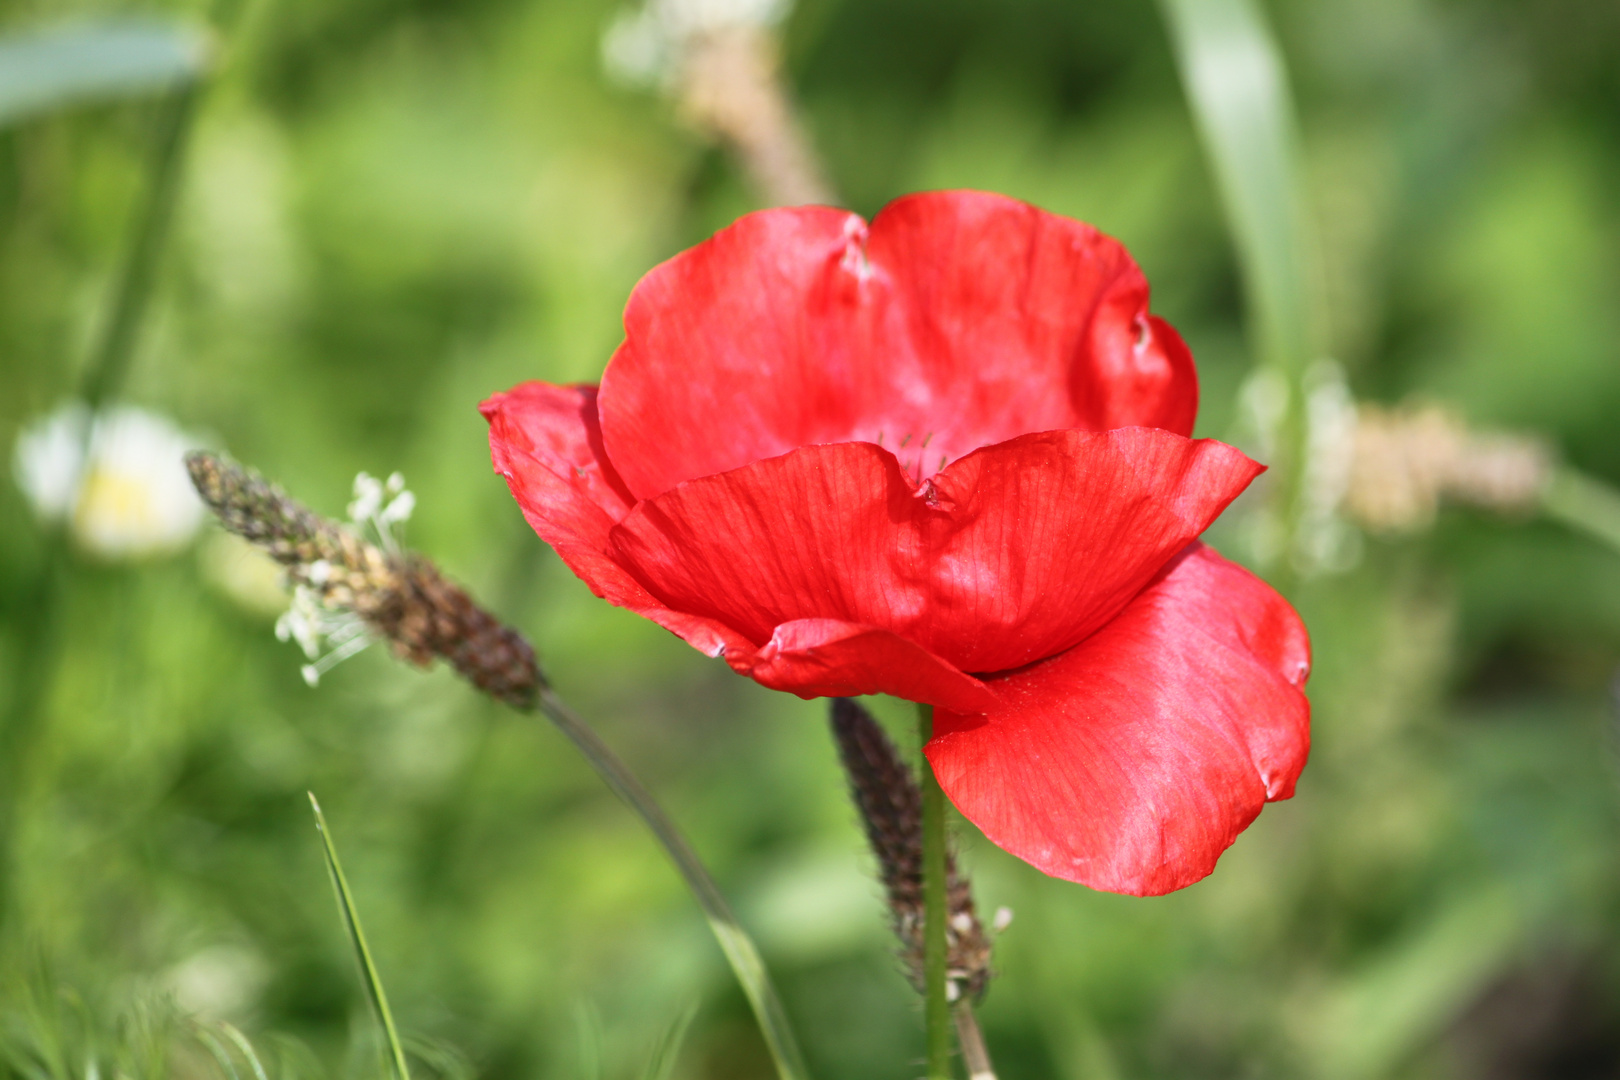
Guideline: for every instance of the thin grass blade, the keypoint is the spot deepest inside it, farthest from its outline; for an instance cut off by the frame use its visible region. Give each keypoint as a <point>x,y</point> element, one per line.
<point>668,1048</point>
<point>588,1036</point>
<point>245,1048</point>
<point>1237,87</point>
<point>357,938</point>
<point>441,1059</point>
<point>217,1050</point>
<point>1236,84</point>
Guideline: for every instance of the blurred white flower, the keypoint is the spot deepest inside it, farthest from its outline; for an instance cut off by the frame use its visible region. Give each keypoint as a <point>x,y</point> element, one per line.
<point>1324,542</point>
<point>645,46</point>
<point>117,479</point>
<point>48,458</point>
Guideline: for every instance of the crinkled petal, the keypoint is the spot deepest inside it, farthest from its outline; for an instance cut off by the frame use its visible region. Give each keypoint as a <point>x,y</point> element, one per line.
<point>828,658</point>
<point>962,320</point>
<point>1012,554</point>
<point>1130,762</point>
<point>557,429</point>
<point>546,441</point>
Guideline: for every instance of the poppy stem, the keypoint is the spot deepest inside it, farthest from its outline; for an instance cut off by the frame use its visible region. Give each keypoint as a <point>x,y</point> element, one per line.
<point>937,1011</point>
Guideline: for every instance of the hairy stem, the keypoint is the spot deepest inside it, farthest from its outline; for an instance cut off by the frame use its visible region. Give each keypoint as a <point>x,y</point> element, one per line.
<point>937,1008</point>
<point>737,945</point>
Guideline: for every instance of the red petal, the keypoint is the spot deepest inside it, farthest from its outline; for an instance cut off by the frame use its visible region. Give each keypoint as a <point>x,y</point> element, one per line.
<point>828,658</point>
<point>968,319</point>
<point>1130,762</point>
<point>557,428</point>
<point>547,443</point>
<point>1011,555</point>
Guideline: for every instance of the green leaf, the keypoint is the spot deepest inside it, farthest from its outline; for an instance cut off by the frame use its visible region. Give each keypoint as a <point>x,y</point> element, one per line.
<point>1236,84</point>
<point>357,938</point>
<point>47,69</point>
<point>1237,87</point>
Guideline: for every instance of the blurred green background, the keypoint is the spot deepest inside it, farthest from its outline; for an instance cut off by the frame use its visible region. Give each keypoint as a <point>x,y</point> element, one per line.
<point>393,208</point>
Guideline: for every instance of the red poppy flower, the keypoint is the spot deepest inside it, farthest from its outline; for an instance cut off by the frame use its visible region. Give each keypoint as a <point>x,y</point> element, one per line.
<point>946,457</point>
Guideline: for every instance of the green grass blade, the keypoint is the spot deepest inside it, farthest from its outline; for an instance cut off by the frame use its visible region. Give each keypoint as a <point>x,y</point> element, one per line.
<point>668,1048</point>
<point>47,69</point>
<point>357,938</point>
<point>222,1056</point>
<point>1236,85</point>
<point>245,1048</point>
<point>441,1059</point>
<point>588,1036</point>
<point>294,1059</point>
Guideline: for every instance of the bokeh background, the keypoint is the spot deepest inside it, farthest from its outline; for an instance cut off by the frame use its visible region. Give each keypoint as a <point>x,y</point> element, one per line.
<point>392,208</point>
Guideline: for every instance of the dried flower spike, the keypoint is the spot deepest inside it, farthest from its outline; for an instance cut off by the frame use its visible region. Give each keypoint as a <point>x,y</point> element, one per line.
<point>348,591</point>
<point>721,62</point>
<point>1408,460</point>
<point>890,803</point>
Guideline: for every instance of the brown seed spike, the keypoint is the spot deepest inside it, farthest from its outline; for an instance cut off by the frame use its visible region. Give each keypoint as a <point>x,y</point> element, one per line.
<point>890,805</point>
<point>438,618</point>
<point>402,598</point>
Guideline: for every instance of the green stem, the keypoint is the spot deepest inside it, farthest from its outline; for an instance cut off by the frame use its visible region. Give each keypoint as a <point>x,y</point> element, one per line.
<point>25,713</point>
<point>1584,504</point>
<point>176,118</point>
<point>937,1010</point>
<point>734,940</point>
<point>110,362</point>
<point>23,720</point>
